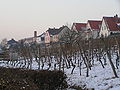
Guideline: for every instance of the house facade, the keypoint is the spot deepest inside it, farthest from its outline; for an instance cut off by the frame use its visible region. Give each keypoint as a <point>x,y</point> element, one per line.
<point>47,37</point>
<point>93,26</point>
<point>41,38</point>
<point>110,26</point>
<point>80,28</point>
<point>52,35</point>
<point>64,30</point>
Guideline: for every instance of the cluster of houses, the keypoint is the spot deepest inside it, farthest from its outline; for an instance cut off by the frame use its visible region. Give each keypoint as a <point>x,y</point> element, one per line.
<point>99,28</point>
<point>108,26</point>
<point>91,29</point>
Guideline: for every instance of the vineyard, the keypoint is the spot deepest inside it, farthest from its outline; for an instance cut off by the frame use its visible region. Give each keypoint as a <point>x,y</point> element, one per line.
<point>76,58</point>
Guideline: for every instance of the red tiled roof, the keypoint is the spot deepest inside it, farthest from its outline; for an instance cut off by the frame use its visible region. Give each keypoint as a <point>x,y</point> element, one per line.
<point>112,23</point>
<point>78,26</point>
<point>94,24</point>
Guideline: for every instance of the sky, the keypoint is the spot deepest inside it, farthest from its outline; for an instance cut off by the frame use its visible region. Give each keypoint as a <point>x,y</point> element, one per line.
<point>20,18</point>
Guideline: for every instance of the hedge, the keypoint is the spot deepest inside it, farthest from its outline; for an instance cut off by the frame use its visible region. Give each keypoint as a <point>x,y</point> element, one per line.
<point>21,79</point>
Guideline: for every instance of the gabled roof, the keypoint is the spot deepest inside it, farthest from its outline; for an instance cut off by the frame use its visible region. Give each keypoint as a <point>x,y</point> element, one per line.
<point>12,41</point>
<point>42,35</point>
<point>95,24</point>
<point>113,23</point>
<point>79,26</point>
<point>54,31</point>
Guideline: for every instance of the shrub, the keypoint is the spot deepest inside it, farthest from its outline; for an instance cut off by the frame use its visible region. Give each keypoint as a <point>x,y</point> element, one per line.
<point>20,79</point>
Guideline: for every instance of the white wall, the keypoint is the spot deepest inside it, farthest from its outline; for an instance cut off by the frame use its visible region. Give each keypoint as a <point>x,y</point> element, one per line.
<point>88,26</point>
<point>104,29</point>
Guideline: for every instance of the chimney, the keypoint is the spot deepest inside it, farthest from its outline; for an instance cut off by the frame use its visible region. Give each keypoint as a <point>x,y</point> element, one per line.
<point>35,33</point>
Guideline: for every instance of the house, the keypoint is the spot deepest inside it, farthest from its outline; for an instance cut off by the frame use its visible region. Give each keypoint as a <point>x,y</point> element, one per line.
<point>11,43</point>
<point>81,29</point>
<point>66,34</point>
<point>51,35</point>
<point>63,30</point>
<point>93,26</point>
<point>110,26</point>
<point>41,38</point>
<point>30,40</point>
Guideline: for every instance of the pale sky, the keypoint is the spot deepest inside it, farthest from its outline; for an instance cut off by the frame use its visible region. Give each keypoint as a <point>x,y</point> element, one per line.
<point>19,18</point>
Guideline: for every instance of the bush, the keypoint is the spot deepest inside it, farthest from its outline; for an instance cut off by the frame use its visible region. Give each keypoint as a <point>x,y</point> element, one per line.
<point>49,80</point>
<point>20,79</point>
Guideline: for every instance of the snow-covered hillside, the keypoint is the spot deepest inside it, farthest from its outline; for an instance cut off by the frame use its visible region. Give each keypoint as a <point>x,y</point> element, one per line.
<point>99,78</point>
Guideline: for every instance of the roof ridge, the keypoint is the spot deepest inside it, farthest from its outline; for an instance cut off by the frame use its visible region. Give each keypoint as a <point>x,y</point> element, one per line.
<point>93,20</point>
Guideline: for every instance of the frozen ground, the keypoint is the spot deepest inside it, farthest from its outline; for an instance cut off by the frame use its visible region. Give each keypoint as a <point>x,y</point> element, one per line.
<point>99,78</point>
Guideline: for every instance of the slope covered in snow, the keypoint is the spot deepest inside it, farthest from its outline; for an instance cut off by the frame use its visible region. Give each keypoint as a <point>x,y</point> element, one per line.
<point>99,78</point>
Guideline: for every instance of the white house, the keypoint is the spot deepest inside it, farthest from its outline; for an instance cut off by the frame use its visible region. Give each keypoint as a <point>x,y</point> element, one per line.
<point>110,26</point>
